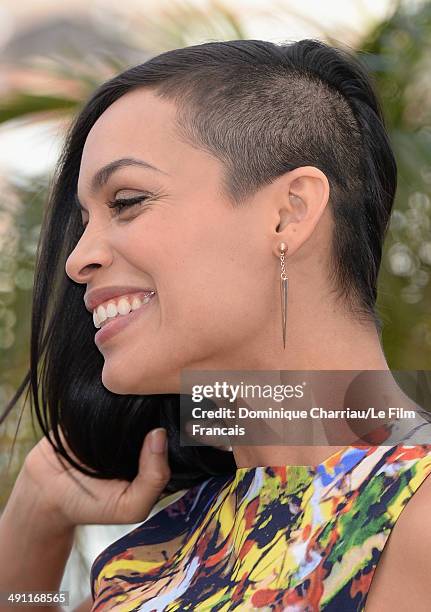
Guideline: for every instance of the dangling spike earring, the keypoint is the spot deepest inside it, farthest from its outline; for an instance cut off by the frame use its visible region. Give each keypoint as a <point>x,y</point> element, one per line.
<point>283,290</point>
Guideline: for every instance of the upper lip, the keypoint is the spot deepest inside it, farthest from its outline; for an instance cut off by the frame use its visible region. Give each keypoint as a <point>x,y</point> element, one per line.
<point>94,297</point>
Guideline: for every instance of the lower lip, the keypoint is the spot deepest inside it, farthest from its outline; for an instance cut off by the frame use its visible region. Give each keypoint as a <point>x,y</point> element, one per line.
<point>110,329</point>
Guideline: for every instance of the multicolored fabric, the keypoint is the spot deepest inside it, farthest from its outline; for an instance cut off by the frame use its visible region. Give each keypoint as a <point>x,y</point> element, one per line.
<point>266,538</point>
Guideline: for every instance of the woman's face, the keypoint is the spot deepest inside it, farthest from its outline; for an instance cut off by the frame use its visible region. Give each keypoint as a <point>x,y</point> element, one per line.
<point>212,267</point>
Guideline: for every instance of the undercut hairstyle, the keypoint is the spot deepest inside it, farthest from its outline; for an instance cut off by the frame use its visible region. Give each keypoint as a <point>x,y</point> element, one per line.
<point>262,109</point>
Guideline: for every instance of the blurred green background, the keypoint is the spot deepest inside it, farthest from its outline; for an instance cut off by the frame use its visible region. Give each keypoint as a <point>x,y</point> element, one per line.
<point>50,65</point>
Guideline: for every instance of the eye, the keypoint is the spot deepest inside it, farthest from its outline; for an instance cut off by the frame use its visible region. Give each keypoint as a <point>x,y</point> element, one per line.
<point>119,203</point>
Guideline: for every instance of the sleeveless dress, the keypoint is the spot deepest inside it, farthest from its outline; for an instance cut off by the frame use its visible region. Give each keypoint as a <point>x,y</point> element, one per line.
<point>296,538</point>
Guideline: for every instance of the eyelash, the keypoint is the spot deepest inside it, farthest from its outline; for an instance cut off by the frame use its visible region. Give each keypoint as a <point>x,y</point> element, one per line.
<point>121,203</point>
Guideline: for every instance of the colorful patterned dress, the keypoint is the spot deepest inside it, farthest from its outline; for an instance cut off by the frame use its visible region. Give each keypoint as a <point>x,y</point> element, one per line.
<point>278,538</point>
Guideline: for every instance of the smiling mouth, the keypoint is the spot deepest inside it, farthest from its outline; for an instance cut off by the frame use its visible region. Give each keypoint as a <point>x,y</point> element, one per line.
<point>114,325</point>
<point>119,308</point>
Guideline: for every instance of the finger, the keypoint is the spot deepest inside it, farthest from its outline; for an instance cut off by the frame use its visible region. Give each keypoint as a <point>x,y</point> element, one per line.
<point>153,475</point>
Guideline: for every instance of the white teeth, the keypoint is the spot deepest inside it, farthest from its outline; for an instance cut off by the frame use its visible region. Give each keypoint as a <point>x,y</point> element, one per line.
<point>111,310</point>
<point>101,313</point>
<point>123,306</point>
<point>95,319</point>
<point>136,303</point>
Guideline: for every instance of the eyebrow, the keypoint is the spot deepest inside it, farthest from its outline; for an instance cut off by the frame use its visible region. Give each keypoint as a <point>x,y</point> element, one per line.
<point>104,173</point>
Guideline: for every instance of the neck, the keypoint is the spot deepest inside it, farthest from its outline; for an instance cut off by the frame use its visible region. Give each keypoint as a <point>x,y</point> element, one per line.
<point>319,337</point>
<point>316,339</point>
<point>329,341</point>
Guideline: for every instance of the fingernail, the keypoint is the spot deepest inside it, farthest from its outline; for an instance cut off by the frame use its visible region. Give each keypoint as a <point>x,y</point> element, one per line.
<point>158,440</point>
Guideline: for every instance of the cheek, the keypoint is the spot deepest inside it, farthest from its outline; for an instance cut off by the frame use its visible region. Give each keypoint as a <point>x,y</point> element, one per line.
<point>217,296</point>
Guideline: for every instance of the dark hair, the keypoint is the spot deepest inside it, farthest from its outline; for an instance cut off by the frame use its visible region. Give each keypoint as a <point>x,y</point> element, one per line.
<point>262,109</point>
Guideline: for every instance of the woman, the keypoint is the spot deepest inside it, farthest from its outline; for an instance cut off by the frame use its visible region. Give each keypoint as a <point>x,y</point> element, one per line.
<point>190,188</point>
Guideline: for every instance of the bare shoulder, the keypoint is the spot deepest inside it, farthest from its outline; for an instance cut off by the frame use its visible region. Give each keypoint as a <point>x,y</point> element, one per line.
<point>401,579</point>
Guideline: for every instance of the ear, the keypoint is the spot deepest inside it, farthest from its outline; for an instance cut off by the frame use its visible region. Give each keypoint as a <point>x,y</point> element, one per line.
<point>301,198</point>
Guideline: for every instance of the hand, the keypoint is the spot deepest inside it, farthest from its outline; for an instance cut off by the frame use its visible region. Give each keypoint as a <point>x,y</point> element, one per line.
<point>56,487</point>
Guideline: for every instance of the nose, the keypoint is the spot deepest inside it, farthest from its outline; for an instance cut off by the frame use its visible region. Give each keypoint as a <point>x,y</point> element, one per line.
<point>89,254</point>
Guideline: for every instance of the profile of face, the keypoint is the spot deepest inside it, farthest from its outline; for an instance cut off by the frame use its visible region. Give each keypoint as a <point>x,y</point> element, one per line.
<point>212,267</point>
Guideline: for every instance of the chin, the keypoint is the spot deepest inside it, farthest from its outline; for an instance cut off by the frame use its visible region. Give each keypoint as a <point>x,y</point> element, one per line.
<point>117,381</point>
